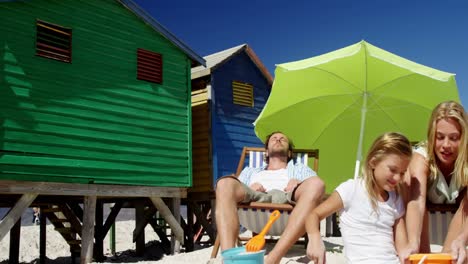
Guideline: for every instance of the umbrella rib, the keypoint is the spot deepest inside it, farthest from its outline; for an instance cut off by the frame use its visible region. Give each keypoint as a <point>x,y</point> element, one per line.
<point>333,119</point>
<point>393,80</point>
<point>338,76</point>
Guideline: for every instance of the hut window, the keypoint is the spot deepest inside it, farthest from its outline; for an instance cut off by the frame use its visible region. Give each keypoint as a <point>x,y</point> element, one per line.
<point>242,93</point>
<point>53,41</point>
<point>149,66</point>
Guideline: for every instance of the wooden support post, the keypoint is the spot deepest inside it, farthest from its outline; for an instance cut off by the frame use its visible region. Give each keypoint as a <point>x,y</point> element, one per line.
<point>15,234</point>
<point>140,226</point>
<point>42,236</point>
<point>175,244</point>
<point>139,220</point>
<point>190,228</point>
<point>99,239</point>
<point>15,213</point>
<point>202,219</point>
<point>87,235</point>
<point>166,214</point>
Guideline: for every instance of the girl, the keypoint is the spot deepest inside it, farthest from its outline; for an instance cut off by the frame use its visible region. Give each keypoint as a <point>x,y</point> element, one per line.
<point>370,207</point>
<point>438,173</point>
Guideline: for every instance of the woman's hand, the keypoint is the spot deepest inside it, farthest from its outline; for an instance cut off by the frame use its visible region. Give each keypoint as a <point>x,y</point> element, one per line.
<point>316,249</point>
<point>458,248</point>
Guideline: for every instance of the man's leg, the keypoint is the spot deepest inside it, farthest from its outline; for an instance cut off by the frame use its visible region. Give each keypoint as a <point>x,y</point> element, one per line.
<point>229,192</point>
<point>307,197</point>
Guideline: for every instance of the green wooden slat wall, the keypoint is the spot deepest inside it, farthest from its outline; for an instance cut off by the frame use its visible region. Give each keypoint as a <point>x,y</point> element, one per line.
<point>91,120</point>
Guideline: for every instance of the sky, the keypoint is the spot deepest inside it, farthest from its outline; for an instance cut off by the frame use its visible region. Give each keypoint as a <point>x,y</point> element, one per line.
<point>430,32</point>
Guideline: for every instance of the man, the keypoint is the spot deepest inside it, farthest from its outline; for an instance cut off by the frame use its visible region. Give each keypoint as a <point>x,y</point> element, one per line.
<point>279,181</point>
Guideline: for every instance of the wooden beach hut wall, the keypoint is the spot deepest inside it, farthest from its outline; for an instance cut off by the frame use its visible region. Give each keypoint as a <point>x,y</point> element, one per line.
<point>94,101</point>
<point>227,96</point>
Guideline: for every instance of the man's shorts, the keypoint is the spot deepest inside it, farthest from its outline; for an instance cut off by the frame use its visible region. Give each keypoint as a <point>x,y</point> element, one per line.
<point>272,196</point>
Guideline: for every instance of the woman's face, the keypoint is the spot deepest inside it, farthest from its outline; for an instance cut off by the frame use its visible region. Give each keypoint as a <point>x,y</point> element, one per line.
<point>447,141</point>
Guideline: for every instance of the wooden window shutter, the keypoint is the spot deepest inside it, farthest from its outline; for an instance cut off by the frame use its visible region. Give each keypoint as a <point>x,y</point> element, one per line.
<point>149,66</point>
<point>53,41</point>
<point>242,93</point>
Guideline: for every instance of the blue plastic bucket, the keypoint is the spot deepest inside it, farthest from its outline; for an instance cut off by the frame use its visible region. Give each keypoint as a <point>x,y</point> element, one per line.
<point>239,255</point>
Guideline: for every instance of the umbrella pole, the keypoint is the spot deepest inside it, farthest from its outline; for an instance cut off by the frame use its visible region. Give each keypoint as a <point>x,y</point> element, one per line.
<point>361,135</point>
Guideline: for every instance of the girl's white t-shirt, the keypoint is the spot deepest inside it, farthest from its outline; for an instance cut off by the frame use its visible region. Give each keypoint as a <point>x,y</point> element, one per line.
<point>271,179</point>
<point>368,234</point>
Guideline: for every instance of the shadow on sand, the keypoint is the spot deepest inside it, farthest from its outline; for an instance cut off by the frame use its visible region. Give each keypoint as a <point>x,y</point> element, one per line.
<point>153,251</point>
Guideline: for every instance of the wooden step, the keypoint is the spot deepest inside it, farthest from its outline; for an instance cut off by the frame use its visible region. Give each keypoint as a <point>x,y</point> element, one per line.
<point>51,210</point>
<point>75,249</point>
<point>64,230</point>
<point>59,220</point>
<point>74,242</point>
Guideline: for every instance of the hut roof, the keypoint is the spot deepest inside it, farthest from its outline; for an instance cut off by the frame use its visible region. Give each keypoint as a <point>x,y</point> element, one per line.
<point>137,10</point>
<point>217,59</point>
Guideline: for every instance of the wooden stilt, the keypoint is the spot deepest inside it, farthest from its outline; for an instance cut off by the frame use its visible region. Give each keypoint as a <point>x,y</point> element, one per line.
<point>110,225</point>
<point>99,239</point>
<point>166,214</point>
<point>190,228</point>
<point>42,237</point>
<point>15,234</point>
<point>87,235</point>
<point>15,213</point>
<point>140,220</point>
<point>175,244</point>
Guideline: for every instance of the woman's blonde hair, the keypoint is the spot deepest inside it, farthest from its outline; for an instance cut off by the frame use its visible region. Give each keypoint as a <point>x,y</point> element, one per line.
<point>455,111</point>
<point>384,145</point>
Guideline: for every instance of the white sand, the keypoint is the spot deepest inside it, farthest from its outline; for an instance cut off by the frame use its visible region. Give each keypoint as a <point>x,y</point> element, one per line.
<point>58,252</point>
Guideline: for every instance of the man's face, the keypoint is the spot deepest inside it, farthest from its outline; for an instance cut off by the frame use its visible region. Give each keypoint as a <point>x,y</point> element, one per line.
<point>278,144</point>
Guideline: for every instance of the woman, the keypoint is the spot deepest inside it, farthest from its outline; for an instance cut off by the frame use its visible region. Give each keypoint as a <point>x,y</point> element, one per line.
<point>438,173</point>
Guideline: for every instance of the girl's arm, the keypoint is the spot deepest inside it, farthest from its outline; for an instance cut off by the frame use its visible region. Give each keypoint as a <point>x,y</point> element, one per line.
<point>315,247</point>
<point>401,239</point>
<point>416,179</point>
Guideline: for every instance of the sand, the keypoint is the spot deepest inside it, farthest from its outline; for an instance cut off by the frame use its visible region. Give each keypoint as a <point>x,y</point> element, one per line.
<point>58,252</point>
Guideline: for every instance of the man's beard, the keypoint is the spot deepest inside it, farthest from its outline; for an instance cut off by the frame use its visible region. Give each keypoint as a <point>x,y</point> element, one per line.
<point>280,153</point>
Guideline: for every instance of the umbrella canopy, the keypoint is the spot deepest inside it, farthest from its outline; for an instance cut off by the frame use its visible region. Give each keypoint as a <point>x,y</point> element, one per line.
<point>341,101</point>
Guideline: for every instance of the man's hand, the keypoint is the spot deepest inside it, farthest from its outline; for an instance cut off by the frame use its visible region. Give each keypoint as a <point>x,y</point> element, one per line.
<point>291,185</point>
<point>257,187</point>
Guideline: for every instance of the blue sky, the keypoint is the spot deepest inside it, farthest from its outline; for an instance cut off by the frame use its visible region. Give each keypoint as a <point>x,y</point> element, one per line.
<point>431,32</point>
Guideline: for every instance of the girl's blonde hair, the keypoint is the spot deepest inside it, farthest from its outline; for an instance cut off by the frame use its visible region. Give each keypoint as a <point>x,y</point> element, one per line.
<point>384,145</point>
<point>455,111</point>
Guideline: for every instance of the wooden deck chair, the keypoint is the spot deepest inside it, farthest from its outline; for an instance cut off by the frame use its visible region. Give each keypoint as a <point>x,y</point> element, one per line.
<point>254,215</point>
<point>440,216</point>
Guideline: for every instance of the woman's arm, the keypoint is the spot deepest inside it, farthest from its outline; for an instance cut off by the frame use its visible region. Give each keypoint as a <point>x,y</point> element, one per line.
<point>315,247</point>
<point>457,235</point>
<point>416,180</point>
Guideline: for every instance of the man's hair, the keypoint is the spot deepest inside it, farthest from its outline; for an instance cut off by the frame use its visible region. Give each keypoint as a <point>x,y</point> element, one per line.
<point>290,146</point>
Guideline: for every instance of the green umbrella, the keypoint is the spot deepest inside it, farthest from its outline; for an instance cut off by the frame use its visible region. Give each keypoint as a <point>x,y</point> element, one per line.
<point>341,101</point>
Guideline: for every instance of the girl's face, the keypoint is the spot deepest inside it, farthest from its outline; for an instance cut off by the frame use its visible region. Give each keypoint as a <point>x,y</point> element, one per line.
<point>388,172</point>
<point>447,141</point>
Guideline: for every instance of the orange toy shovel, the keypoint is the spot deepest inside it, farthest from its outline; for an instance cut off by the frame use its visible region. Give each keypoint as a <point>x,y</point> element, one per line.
<point>257,242</point>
